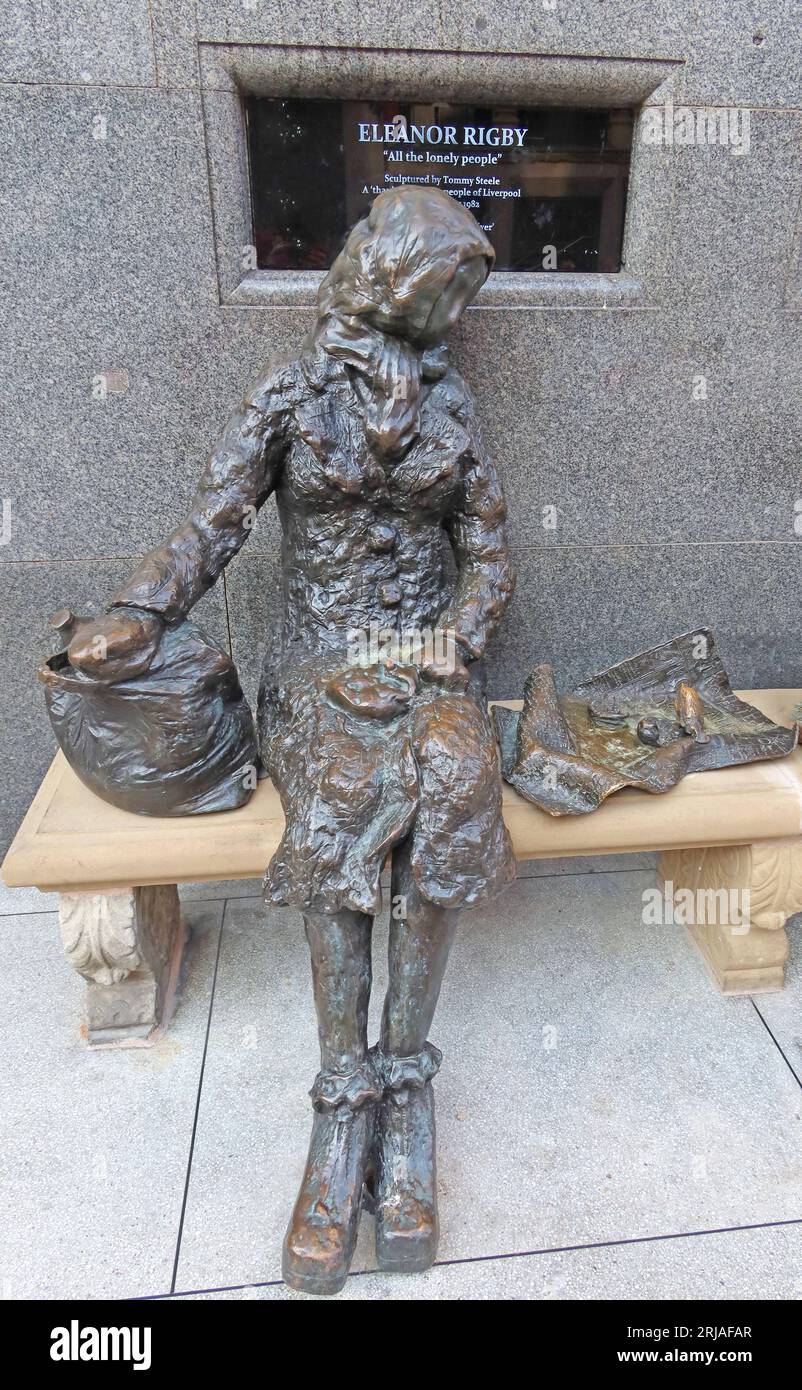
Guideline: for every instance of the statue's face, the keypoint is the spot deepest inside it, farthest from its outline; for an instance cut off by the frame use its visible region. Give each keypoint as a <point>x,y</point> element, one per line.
<point>455,298</point>
<point>431,316</point>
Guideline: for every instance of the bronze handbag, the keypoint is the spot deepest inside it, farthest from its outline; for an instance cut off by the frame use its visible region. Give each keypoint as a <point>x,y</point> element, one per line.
<point>177,740</point>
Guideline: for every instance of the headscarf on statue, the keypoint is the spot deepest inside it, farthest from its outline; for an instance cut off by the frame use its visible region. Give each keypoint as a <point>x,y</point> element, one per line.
<point>381,289</point>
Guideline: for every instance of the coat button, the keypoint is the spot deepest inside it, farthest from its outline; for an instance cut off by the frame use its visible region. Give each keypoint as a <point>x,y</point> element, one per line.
<point>389,594</point>
<point>382,537</point>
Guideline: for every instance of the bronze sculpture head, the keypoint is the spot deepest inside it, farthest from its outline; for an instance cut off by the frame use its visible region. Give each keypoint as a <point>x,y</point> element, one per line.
<point>415,245</point>
<point>405,275</point>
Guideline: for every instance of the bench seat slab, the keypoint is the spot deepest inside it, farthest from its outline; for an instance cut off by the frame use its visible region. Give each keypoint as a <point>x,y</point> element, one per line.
<point>127,941</point>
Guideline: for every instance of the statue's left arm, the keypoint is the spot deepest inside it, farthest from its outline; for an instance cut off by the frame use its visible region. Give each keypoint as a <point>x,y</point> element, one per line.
<point>478,534</point>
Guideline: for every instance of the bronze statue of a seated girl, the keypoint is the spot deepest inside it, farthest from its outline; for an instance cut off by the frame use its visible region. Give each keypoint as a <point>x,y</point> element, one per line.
<point>370,444</point>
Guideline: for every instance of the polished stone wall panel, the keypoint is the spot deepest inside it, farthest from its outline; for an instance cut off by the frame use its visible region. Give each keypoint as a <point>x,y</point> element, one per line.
<point>48,41</point>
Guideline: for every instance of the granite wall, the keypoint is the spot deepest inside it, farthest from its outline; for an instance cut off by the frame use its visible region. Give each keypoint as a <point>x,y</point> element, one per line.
<point>657,410</point>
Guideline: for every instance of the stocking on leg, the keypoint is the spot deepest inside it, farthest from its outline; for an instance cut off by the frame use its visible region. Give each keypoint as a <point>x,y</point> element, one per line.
<point>404,1147</point>
<point>320,1240</point>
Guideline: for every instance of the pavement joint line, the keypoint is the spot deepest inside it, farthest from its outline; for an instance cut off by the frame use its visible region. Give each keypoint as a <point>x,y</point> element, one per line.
<point>785,1058</point>
<point>502,1255</point>
<point>198,1099</point>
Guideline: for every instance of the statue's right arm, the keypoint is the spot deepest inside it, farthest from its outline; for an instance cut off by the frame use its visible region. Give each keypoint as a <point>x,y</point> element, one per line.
<point>239,476</point>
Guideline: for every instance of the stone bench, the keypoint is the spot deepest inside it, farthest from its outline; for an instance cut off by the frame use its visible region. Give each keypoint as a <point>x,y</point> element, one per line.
<point>738,829</point>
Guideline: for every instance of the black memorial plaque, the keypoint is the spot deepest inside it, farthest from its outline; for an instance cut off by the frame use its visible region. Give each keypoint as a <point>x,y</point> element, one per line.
<point>548,186</point>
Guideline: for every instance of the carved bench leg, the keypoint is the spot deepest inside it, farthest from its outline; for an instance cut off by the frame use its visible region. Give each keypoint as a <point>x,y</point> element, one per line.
<point>762,883</point>
<point>128,947</point>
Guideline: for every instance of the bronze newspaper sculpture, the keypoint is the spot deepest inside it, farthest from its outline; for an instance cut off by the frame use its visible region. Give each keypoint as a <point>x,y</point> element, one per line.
<point>373,723</point>
<point>644,723</point>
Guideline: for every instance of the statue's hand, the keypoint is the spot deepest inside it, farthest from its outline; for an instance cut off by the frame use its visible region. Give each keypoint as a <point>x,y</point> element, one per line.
<point>375,692</point>
<point>115,646</point>
<point>446,668</point>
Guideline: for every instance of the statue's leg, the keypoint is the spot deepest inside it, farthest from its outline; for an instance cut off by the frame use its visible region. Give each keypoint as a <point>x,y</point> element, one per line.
<point>404,1148</point>
<point>320,1241</point>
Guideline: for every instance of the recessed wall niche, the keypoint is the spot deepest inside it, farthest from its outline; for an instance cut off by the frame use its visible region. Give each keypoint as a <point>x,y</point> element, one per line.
<point>599,191</point>
<point>547,185</point>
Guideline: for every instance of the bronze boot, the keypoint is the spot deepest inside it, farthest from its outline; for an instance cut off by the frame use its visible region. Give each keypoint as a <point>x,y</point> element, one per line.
<point>405,1181</point>
<point>321,1237</point>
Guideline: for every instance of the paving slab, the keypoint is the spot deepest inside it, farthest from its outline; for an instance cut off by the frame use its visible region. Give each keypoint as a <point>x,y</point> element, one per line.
<point>14,901</point>
<point>594,1086</point>
<point>95,1143</point>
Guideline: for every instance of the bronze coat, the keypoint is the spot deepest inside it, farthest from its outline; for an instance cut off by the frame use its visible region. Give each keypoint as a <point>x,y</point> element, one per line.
<point>373,486</point>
